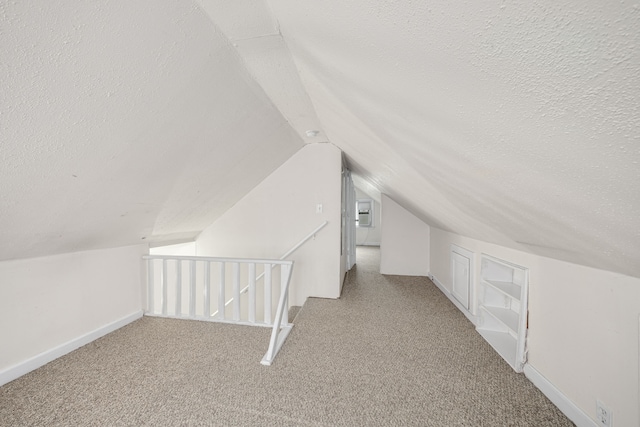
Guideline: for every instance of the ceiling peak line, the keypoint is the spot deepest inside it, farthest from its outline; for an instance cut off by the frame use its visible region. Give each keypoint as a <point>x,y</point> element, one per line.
<point>262,36</point>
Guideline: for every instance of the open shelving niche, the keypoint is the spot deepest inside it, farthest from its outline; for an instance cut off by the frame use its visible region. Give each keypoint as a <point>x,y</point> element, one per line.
<point>502,308</point>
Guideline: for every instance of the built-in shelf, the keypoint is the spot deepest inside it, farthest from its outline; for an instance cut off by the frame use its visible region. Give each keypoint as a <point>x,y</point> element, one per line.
<point>509,289</point>
<point>502,303</point>
<point>505,316</point>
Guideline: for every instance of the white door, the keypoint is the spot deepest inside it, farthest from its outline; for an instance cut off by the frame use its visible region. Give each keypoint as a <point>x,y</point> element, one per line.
<point>461,278</point>
<point>348,218</point>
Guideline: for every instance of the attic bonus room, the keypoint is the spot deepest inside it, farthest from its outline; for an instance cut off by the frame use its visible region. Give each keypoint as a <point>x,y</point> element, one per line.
<point>497,146</point>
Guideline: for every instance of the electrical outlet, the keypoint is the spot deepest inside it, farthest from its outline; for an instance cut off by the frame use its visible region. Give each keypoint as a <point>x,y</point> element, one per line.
<point>604,416</point>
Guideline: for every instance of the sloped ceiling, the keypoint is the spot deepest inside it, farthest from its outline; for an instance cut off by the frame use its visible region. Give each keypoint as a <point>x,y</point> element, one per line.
<point>516,123</point>
<point>123,122</point>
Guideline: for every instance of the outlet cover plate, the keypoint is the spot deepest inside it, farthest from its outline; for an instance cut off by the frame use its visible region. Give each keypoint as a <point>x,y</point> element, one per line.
<point>604,416</point>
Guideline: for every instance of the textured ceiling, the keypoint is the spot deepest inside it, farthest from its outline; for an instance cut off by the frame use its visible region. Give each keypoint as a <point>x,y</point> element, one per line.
<point>253,31</point>
<point>516,123</point>
<point>123,122</point>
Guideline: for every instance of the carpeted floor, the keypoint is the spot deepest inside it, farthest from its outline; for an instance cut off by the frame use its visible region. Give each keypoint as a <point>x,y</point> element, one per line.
<point>393,351</point>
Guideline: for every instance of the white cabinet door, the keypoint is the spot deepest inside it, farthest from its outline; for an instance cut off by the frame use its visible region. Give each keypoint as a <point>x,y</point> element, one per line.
<point>461,278</point>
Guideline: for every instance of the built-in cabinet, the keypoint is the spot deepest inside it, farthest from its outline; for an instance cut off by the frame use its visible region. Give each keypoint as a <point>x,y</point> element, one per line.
<point>461,268</point>
<point>502,308</point>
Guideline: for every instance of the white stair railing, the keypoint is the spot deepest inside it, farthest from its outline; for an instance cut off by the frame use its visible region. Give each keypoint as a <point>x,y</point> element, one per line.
<point>208,280</point>
<point>289,252</point>
<point>167,298</point>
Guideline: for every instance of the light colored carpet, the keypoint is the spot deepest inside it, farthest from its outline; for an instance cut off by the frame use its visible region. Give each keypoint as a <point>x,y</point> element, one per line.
<point>393,351</point>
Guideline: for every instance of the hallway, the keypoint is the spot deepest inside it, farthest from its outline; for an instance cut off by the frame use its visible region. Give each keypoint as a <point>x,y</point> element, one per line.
<point>391,351</point>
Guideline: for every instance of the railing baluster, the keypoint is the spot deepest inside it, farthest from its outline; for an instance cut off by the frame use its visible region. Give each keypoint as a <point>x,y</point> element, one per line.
<point>165,291</point>
<point>179,288</point>
<point>192,288</point>
<point>207,290</point>
<point>158,304</point>
<point>268,297</point>
<point>236,291</point>
<point>221,292</point>
<point>285,272</point>
<point>252,292</point>
<point>150,286</point>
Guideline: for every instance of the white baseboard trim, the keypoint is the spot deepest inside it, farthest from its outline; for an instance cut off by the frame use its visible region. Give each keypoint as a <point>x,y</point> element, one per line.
<point>563,403</point>
<point>11,373</point>
<point>455,302</point>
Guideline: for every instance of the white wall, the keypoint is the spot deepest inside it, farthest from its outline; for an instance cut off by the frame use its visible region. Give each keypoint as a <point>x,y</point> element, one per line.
<point>404,246</point>
<point>180,249</point>
<point>50,301</point>
<point>583,325</point>
<point>370,236</point>
<point>279,212</point>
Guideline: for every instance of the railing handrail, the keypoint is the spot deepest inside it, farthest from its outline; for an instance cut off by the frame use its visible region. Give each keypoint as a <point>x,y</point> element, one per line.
<point>280,260</point>
<point>217,259</point>
<point>304,240</point>
<point>289,252</point>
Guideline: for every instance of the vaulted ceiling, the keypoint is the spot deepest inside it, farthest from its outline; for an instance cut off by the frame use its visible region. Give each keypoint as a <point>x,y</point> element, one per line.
<point>516,123</point>
<point>124,122</point>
